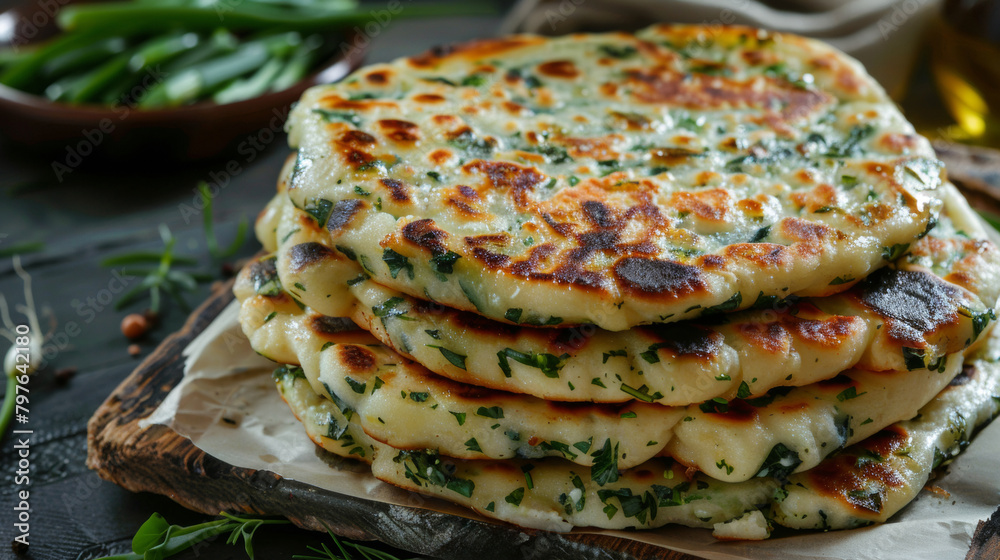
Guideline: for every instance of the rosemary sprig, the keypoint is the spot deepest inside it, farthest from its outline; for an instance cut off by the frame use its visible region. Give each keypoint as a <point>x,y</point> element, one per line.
<point>157,539</point>
<point>213,243</point>
<point>162,279</point>
<point>367,553</point>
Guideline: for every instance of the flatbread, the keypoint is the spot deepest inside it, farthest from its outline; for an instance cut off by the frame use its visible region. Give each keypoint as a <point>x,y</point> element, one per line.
<point>789,342</point>
<point>401,403</point>
<point>865,483</point>
<point>612,179</point>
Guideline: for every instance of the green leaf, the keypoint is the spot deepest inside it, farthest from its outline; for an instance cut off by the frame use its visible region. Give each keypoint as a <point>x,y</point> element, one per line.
<point>397,262</point>
<point>358,279</point>
<point>207,223</point>
<point>356,386</point>
<point>427,468</point>
<point>455,359</point>
<point>848,394</point>
<point>744,390</point>
<point>473,146</point>
<point>330,116</point>
<point>894,252</point>
<point>760,235</point>
<point>731,304</point>
<point>913,358</point>
<point>605,467</point>
<point>460,416</point>
<point>295,372</point>
<point>388,308</point>
<point>473,445</point>
<point>620,52</point>
<point>443,263</point>
<point>461,486</point>
<point>471,295</point>
<point>558,447</point>
<point>515,497</point>
<point>614,353</point>
<point>850,146</point>
<point>556,154</point>
<point>319,209</point>
<point>150,533</point>
<point>717,405</point>
<point>779,463</point>
<point>642,393</point>
<point>549,364</point>
<point>494,412</point>
<point>440,79</point>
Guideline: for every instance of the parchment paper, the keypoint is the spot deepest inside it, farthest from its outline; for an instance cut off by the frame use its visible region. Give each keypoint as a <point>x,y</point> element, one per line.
<point>224,378</point>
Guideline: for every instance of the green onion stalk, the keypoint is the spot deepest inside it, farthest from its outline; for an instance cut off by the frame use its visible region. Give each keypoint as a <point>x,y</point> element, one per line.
<point>12,367</point>
<point>223,50</point>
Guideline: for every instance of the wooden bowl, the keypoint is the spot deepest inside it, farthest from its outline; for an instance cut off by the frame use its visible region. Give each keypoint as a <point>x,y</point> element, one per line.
<point>74,134</point>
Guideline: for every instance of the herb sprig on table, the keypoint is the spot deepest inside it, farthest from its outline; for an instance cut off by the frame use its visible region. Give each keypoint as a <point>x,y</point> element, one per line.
<point>156,539</point>
<point>159,280</point>
<point>207,220</point>
<point>160,277</point>
<point>366,552</point>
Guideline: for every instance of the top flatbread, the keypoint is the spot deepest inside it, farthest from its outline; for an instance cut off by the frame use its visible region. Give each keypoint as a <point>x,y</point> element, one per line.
<point>613,179</point>
<point>899,317</point>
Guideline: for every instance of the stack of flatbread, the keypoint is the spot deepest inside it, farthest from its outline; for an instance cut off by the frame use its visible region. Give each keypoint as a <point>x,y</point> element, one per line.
<point>696,275</point>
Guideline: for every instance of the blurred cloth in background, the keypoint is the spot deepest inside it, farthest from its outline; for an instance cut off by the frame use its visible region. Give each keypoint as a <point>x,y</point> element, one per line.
<point>884,35</point>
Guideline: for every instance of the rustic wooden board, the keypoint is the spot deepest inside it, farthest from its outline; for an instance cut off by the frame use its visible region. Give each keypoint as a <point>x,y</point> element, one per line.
<point>159,460</point>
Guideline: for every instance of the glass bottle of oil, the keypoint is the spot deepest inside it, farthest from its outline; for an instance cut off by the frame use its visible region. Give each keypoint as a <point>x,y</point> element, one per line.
<point>965,58</point>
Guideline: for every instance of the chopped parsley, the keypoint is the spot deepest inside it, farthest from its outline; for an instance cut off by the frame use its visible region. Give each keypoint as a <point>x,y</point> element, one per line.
<point>780,462</point>
<point>443,263</point>
<point>848,394</point>
<point>473,445</point>
<point>356,386</point>
<point>397,262</point>
<point>330,116</point>
<point>549,364</point>
<point>455,359</point>
<point>494,412</point>
<point>605,467</point>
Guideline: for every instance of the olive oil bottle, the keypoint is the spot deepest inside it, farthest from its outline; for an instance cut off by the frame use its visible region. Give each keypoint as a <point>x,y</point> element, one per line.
<point>965,59</point>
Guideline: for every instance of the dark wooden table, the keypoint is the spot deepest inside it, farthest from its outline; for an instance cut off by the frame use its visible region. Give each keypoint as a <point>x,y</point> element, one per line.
<point>95,212</point>
<point>92,213</point>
